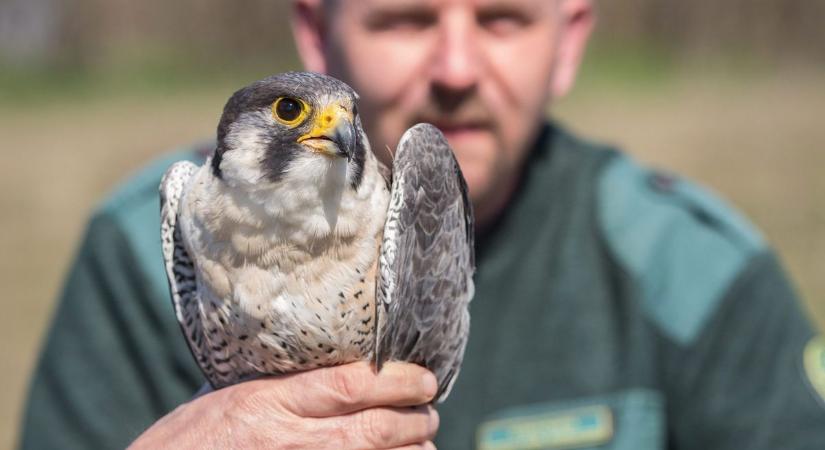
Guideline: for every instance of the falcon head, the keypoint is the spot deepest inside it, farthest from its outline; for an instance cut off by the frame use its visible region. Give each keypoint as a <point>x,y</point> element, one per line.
<point>296,127</point>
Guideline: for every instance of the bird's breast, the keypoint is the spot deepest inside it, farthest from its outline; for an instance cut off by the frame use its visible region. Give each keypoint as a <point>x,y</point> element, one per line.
<point>281,294</point>
<point>321,314</point>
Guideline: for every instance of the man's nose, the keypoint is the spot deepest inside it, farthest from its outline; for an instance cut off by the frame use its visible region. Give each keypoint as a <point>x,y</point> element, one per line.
<point>455,64</point>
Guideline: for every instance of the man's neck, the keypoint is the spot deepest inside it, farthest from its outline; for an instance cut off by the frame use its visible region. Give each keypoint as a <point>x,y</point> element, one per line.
<point>488,210</point>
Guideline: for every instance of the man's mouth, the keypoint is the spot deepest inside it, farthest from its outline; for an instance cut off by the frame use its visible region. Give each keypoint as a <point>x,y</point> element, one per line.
<point>461,130</point>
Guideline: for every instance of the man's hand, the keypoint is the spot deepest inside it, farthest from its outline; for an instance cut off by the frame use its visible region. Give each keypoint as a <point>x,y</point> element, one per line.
<point>344,407</point>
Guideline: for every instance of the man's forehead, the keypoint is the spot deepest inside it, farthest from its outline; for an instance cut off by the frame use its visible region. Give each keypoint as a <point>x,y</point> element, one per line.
<point>404,4</point>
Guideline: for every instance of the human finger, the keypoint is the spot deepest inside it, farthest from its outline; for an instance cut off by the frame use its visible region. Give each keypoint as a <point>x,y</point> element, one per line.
<point>339,390</point>
<point>383,427</point>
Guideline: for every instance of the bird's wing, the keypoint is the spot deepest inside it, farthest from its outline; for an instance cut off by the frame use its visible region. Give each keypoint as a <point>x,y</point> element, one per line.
<point>180,269</point>
<point>427,259</point>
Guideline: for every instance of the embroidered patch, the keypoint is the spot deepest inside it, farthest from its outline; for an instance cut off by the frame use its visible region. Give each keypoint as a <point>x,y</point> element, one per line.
<point>814,359</point>
<point>572,428</point>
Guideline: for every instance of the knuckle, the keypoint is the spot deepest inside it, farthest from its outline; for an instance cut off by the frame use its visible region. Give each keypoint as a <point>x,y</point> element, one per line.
<point>254,422</point>
<point>251,397</point>
<point>242,397</point>
<point>240,405</point>
<point>376,430</point>
<point>342,437</point>
<point>348,385</point>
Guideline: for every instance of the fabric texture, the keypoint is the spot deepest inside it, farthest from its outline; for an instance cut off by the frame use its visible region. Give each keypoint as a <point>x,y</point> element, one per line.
<point>603,285</point>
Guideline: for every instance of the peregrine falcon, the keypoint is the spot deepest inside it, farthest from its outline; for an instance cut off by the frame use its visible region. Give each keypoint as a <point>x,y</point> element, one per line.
<point>292,247</point>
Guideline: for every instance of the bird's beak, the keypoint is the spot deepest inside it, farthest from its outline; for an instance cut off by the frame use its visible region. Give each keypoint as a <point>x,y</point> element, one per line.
<point>333,132</point>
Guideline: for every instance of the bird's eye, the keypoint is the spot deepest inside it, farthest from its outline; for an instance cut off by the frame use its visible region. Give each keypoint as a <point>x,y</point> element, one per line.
<point>289,111</point>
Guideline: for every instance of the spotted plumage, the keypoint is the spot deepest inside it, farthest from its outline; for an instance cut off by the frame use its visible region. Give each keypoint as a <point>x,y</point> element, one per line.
<point>288,250</point>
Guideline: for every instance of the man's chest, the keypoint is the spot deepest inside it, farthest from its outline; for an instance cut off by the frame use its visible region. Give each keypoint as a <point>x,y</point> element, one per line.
<point>557,359</point>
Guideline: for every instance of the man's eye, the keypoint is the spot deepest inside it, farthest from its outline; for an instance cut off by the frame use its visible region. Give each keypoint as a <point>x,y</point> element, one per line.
<point>503,22</point>
<point>401,21</point>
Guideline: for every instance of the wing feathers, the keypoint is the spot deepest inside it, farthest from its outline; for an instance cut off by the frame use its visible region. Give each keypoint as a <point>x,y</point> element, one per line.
<point>427,259</point>
<point>181,272</point>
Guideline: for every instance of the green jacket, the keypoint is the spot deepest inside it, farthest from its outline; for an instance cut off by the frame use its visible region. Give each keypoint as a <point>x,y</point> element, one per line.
<point>615,308</point>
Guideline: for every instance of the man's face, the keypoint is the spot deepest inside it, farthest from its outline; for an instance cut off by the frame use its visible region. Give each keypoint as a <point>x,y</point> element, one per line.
<point>480,70</point>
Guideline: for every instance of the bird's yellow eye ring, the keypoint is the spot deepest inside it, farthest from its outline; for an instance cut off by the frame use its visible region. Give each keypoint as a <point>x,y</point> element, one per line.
<point>289,111</point>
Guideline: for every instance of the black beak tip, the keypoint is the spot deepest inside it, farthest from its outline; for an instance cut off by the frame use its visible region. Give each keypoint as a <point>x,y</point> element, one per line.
<point>345,141</point>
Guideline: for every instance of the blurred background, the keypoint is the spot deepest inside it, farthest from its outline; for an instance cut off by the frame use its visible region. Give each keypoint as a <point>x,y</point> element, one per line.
<point>728,93</point>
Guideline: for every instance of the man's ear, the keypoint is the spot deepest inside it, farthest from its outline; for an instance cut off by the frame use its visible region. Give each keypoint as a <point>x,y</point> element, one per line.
<point>309,32</point>
<point>576,24</point>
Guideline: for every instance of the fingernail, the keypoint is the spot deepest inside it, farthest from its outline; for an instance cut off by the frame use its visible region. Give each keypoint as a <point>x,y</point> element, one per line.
<point>429,446</point>
<point>429,384</point>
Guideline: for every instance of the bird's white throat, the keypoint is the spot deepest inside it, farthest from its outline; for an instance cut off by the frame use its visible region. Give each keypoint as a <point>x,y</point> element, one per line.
<point>312,205</point>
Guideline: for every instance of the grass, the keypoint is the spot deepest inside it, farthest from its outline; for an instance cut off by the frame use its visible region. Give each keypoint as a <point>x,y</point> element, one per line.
<point>69,138</point>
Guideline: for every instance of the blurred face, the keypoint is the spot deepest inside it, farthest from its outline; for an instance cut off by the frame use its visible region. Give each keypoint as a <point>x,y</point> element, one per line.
<point>482,71</point>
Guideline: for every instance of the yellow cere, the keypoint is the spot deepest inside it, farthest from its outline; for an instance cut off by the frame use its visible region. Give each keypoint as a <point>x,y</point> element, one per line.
<point>326,121</point>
